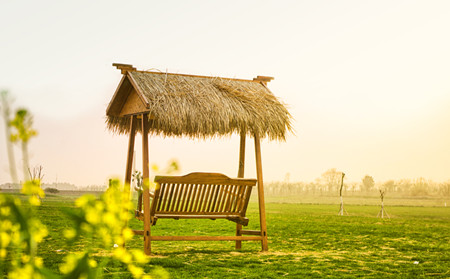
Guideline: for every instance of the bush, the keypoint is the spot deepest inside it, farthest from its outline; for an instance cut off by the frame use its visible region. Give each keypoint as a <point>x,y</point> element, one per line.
<point>51,190</point>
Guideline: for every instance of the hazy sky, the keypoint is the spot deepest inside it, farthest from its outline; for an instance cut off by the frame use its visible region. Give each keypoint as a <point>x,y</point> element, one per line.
<point>368,82</point>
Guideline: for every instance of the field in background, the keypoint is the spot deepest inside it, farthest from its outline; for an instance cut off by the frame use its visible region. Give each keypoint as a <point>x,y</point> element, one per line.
<point>358,198</point>
<point>306,239</point>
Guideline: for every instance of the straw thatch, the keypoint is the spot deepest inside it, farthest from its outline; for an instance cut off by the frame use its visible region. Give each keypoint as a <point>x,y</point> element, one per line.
<point>200,107</point>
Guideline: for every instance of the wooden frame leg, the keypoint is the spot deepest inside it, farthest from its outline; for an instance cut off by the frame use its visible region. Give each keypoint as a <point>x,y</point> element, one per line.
<point>238,233</point>
<point>145,178</point>
<point>240,175</point>
<point>129,166</point>
<point>262,207</point>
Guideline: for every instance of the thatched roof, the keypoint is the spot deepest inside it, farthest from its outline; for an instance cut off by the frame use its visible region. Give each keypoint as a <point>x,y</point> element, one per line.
<point>197,106</point>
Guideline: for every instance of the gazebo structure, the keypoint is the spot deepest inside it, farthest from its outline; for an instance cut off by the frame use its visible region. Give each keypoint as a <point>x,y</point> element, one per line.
<point>196,107</point>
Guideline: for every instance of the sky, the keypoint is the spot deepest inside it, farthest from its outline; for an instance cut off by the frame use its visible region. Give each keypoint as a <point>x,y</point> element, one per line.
<point>367,82</point>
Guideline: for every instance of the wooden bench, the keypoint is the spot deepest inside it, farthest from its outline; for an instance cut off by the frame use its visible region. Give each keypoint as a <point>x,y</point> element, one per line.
<point>201,196</point>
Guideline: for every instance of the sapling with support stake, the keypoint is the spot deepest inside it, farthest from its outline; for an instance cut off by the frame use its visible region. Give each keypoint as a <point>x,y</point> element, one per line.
<point>382,212</point>
<point>342,209</point>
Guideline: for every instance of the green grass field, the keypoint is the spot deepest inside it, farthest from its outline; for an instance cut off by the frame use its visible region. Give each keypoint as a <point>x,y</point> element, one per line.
<point>305,240</point>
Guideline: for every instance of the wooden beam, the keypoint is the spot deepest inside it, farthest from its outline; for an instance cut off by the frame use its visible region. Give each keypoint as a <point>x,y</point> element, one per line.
<point>241,175</point>
<point>250,232</point>
<point>129,166</point>
<point>263,79</point>
<point>145,179</point>
<point>204,238</point>
<point>262,207</point>
<point>241,156</point>
<point>124,68</point>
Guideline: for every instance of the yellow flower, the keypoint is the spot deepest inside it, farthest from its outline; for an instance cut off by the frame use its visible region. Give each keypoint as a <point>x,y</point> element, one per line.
<point>92,216</point>
<point>33,187</point>
<point>92,263</point>
<point>5,239</point>
<point>38,262</point>
<point>70,263</point>
<point>34,200</point>
<point>136,271</point>
<point>109,219</point>
<point>25,258</point>
<point>70,233</point>
<point>127,234</point>
<point>139,256</point>
<point>5,211</point>
<point>84,200</point>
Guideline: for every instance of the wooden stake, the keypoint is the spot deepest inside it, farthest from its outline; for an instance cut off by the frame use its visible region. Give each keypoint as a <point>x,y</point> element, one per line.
<point>262,207</point>
<point>241,175</point>
<point>342,209</point>
<point>382,211</point>
<point>145,179</point>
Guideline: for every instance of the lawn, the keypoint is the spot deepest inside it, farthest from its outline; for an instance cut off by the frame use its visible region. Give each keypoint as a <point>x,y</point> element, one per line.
<point>305,240</point>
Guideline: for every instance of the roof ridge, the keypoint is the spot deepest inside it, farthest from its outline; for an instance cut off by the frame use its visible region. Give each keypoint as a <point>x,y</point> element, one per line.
<point>195,76</point>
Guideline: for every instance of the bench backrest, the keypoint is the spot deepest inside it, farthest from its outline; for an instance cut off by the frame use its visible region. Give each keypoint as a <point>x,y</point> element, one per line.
<point>201,194</point>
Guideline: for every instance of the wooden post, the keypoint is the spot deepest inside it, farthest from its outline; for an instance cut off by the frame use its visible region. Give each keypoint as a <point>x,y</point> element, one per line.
<point>130,154</point>
<point>262,206</point>
<point>145,179</point>
<point>240,175</point>
<point>129,165</point>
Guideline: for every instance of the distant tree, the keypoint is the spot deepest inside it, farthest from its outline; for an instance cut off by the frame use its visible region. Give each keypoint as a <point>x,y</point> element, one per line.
<point>5,109</point>
<point>368,183</point>
<point>389,185</point>
<point>444,189</point>
<point>23,122</point>
<point>331,179</point>
<point>404,185</point>
<point>421,187</point>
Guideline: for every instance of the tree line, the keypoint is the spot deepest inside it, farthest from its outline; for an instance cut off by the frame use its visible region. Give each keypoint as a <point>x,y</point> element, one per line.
<point>330,181</point>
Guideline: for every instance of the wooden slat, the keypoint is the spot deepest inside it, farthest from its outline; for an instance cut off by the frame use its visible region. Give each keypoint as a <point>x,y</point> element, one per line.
<point>182,196</point>
<point>194,197</point>
<point>181,190</point>
<point>213,199</point>
<point>164,198</point>
<point>247,198</point>
<point>201,199</point>
<point>219,199</point>
<point>240,195</point>
<point>170,196</point>
<point>226,192</point>
<point>153,204</point>
<point>188,198</point>
<point>175,196</point>
<point>205,238</point>
<point>230,198</point>
<point>207,199</point>
<point>161,196</point>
